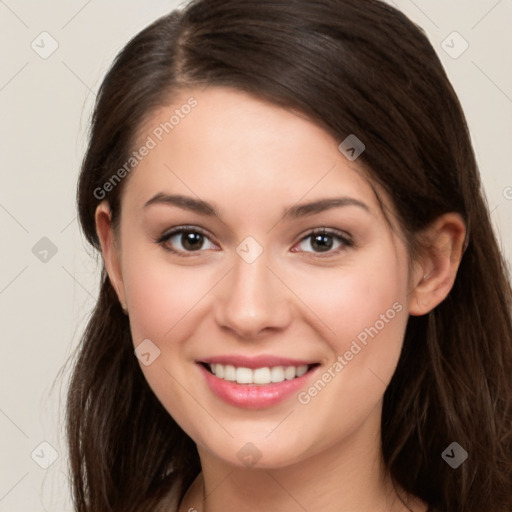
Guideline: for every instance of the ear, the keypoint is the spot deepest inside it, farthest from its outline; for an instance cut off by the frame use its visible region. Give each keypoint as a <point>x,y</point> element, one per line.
<point>110,250</point>
<point>433,276</point>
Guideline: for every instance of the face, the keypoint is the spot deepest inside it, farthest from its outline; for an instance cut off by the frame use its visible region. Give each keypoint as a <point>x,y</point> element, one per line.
<point>249,242</point>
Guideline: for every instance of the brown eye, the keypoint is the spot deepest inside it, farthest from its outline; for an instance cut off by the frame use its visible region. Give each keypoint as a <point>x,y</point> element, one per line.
<point>184,240</point>
<point>191,241</point>
<point>324,241</point>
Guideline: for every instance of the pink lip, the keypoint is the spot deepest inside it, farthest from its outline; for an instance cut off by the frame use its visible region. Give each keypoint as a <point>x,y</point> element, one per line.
<point>255,362</point>
<point>254,396</point>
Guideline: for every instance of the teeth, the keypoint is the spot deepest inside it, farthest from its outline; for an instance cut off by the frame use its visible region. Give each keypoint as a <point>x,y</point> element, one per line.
<point>264,375</point>
<point>289,373</point>
<point>301,370</point>
<point>261,376</point>
<point>229,372</point>
<point>277,374</point>
<point>244,375</point>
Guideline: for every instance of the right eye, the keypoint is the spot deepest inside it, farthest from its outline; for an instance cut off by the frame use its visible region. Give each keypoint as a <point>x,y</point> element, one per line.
<point>185,239</point>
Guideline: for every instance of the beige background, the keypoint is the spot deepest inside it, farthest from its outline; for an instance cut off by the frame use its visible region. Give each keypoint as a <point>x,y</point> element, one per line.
<point>44,110</point>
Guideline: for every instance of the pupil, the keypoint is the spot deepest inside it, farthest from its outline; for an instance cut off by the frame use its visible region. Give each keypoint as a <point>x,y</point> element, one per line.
<point>192,241</point>
<point>323,242</point>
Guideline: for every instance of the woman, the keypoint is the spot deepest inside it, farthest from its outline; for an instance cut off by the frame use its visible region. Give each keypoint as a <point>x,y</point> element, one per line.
<point>303,305</point>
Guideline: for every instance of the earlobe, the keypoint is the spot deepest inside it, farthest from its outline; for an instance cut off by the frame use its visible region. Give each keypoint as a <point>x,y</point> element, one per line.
<point>433,278</point>
<point>109,250</point>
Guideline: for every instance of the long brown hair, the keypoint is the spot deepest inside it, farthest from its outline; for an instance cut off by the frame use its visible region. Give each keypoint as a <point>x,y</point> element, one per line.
<point>354,67</point>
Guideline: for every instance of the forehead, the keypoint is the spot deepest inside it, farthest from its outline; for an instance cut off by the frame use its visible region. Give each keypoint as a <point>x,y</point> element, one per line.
<point>228,146</point>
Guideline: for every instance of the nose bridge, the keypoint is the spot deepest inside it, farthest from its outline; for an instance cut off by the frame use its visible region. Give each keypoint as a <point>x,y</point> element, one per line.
<point>252,299</point>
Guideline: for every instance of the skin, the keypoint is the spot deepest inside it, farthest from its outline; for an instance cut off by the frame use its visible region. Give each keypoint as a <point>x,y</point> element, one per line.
<point>252,160</point>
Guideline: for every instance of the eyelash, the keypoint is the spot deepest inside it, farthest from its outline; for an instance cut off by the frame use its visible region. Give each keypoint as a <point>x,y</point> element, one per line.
<point>341,237</point>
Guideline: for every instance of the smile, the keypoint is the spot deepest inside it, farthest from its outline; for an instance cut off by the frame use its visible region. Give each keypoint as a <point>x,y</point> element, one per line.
<point>256,383</point>
<point>264,375</point>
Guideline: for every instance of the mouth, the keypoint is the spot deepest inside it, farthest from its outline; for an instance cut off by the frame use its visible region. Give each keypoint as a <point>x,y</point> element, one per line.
<point>256,383</point>
<point>261,376</point>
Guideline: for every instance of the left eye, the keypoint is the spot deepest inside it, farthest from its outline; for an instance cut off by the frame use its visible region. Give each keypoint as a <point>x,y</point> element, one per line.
<point>183,240</point>
<point>323,241</point>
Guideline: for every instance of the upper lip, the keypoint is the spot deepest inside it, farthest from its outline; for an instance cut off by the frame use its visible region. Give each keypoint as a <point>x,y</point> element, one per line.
<point>260,361</point>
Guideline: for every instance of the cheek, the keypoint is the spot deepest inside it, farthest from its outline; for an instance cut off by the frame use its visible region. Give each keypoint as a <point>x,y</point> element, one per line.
<point>365,314</point>
<point>164,302</point>
<point>161,295</point>
<point>362,309</point>
<point>349,300</point>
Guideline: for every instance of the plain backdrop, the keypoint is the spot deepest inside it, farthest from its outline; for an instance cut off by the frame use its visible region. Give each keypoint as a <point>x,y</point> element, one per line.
<point>49,278</point>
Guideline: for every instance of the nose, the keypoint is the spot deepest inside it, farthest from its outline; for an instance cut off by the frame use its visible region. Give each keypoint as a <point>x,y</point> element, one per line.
<point>253,301</point>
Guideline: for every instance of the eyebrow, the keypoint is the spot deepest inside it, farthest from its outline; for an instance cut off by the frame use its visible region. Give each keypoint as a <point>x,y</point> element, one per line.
<point>188,203</point>
<point>301,210</point>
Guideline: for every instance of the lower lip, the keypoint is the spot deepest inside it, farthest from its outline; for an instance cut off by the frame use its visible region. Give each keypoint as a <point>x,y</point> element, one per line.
<point>254,396</point>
